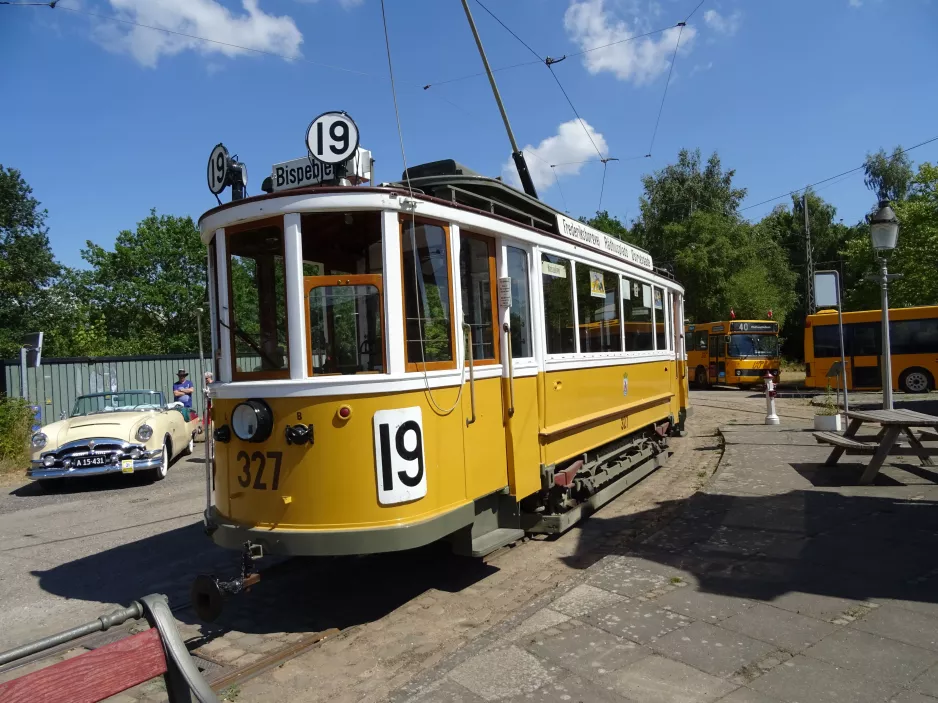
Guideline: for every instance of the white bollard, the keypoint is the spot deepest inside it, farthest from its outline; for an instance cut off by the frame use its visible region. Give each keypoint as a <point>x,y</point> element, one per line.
<point>771,417</point>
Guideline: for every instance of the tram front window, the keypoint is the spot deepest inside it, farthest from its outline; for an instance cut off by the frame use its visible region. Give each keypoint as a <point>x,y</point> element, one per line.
<point>258,301</point>
<point>345,329</point>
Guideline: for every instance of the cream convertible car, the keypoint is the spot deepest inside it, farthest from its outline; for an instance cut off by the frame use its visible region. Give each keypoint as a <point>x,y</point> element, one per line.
<point>122,432</point>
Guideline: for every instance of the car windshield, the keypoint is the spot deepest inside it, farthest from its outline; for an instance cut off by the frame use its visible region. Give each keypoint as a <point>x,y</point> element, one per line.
<point>128,401</point>
<point>743,345</point>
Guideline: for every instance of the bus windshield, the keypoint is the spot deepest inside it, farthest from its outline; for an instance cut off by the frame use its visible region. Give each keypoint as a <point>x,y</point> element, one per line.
<point>744,345</point>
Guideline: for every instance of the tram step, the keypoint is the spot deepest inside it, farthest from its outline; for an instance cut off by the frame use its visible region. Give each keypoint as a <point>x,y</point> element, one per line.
<point>490,541</point>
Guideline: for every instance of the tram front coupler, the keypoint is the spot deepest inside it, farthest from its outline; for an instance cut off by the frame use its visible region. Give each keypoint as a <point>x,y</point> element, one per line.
<point>208,593</point>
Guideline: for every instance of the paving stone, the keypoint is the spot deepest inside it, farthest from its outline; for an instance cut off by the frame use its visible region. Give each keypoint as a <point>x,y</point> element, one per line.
<point>804,679</point>
<point>903,625</point>
<point>541,620</point>
<point>499,673</point>
<point>782,628</point>
<point>250,641</point>
<point>247,659</point>
<point>747,695</point>
<point>710,607</point>
<point>584,599</point>
<point>660,680</point>
<point>640,622</point>
<point>625,580</point>
<point>587,651</point>
<point>120,698</point>
<point>712,649</point>
<point>816,605</point>
<point>928,682</point>
<point>567,690</point>
<point>875,656</point>
<point>227,655</point>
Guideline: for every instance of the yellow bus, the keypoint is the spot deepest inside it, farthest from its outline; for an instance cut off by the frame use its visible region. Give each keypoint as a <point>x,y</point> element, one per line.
<point>913,337</point>
<point>734,352</point>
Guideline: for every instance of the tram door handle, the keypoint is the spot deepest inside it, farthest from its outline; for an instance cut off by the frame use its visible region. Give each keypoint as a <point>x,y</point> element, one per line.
<point>472,374</point>
<point>511,372</point>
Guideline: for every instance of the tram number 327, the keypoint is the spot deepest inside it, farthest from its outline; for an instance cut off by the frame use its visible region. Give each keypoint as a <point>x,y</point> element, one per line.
<point>399,456</point>
<point>254,465</point>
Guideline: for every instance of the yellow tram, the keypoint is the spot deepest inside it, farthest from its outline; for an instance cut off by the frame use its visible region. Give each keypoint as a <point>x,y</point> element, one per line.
<point>439,358</point>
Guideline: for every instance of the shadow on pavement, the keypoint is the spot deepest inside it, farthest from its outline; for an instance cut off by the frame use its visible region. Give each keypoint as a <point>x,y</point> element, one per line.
<point>857,544</point>
<point>294,595</point>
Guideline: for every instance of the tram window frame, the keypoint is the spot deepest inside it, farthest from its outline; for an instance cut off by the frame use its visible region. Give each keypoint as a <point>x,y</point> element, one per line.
<point>520,291</point>
<point>217,336</point>
<point>419,364</point>
<point>664,315</point>
<point>493,297</point>
<point>235,231</point>
<point>626,286</point>
<point>585,296</point>
<point>567,262</point>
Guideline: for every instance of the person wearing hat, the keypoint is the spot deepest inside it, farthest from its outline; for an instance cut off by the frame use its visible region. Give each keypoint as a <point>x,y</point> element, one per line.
<point>182,389</point>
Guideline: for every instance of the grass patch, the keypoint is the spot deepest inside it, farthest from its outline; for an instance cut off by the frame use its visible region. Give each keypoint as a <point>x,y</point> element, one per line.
<point>231,693</point>
<point>16,421</point>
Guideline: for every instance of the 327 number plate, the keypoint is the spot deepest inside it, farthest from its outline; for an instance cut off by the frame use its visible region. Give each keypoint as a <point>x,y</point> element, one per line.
<point>254,465</point>
<point>399,456</point>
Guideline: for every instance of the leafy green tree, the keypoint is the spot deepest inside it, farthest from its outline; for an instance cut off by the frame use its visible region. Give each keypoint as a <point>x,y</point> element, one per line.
<point>148,288</point>
<point>27,265</point>
<point>889,176</point>
<point>609,224</point>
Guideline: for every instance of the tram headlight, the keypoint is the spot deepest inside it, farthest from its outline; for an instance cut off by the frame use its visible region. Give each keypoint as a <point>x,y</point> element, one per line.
<point>252,421</point>
<point>39,440</point>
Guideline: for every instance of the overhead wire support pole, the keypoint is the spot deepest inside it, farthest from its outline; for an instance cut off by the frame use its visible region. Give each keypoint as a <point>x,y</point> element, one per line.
<point>809,257</point>
<point>516,154</point>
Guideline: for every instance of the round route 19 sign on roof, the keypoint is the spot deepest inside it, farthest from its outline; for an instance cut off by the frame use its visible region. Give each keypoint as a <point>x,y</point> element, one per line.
<point>218,169</point>
<point>332,137</point>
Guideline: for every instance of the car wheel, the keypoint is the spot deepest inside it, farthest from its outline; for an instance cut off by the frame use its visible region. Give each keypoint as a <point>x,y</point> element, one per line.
<point>159,473</point>
<point>190,447</point>
<point>916,380</point>
<point>701,377</point>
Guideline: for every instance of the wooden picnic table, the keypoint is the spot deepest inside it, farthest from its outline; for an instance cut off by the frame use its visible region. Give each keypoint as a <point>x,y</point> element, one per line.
<point>893,423</point>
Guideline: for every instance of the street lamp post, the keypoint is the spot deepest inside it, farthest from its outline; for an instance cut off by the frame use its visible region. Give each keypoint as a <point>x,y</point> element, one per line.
<point>884,231</point>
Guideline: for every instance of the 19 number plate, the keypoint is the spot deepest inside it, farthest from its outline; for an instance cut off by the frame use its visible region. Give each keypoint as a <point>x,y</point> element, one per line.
<point>399,456</point>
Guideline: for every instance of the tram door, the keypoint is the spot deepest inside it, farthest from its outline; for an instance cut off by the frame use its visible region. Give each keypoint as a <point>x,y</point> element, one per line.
<point>484,431</point>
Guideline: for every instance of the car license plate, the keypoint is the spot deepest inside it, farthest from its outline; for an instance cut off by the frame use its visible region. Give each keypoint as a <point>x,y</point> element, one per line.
<point>84,461</point>
<point>127,466</point>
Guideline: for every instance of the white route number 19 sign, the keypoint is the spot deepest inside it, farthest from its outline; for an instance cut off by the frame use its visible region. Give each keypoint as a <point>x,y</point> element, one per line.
<point>332,138</point>
<point>399,455</point>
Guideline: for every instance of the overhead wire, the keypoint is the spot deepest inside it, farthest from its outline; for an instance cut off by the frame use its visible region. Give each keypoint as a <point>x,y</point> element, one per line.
<point>830,178</point>
<point>667,84</point>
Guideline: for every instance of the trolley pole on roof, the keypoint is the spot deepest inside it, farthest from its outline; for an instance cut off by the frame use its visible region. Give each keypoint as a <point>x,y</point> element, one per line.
<point>516,153</point>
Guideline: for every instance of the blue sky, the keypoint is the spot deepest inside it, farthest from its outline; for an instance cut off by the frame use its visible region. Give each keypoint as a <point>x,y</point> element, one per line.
<point>107,120</point>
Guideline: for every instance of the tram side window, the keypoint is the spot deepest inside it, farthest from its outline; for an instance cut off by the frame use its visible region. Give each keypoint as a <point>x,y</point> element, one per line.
<point>427,302</point>
<point>258,301</point>
<point>558,304</point>
<point>520,303</point>
<point>661,320</point>
<point>476,266</point>
<point>597,296</point>
<point>636,314</point>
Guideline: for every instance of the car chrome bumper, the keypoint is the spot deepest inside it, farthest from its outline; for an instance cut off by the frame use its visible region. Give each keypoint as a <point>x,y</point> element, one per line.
<point>38,470</point>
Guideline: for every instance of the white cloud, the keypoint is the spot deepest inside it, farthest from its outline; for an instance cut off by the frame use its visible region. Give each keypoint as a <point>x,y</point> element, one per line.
<point>701,67</point>
<point>642,60</point>
<point>724,25</point>
<point>253,29</point>
<point>856,3</point>
<point>568,146</point>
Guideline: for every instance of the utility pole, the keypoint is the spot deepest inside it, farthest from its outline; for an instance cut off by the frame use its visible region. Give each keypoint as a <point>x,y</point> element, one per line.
<point>809,258</point>
<point>526,181</point>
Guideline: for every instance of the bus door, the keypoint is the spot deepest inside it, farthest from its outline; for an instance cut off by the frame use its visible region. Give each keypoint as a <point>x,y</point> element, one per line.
<point>865,347</point>
<point>482,403</point>
<point>716,368</point>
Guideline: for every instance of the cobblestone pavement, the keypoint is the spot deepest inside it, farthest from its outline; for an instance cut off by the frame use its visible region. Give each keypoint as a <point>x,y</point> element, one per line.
<point>781,580</point>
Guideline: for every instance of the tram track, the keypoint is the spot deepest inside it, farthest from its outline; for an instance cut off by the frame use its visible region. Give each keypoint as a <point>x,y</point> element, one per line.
<point>787,413</point>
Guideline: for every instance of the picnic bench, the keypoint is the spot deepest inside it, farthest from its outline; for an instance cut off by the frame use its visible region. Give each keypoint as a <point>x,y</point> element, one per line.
<point>893,423</point>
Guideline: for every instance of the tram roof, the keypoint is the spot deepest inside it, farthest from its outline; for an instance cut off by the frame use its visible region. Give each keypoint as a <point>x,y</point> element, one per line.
<point>450,183</point>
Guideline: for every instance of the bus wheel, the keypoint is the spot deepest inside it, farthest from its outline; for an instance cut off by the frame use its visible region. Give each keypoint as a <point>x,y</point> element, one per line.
<point>701,377</point>
<point>916,380</point>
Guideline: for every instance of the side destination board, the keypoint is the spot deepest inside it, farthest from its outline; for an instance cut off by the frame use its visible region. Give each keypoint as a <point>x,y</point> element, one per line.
<point>584,234</point>
<point>753,327</point>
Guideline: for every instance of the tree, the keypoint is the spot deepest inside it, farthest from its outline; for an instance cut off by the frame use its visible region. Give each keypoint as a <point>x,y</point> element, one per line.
<point>27,266</point>
<point>148,288</point>
<point>674,193</point>
<point>609,224</point>
<point>890,177</point>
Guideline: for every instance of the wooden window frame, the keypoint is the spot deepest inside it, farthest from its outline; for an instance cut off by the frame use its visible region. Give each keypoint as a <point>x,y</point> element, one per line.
<point>360,279</point>
<point>239,229</point>
<point>432,365</point>
<point>493,278</point>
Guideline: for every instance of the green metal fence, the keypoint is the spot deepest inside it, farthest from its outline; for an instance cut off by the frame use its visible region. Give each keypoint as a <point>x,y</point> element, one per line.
<point>56,384</point>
